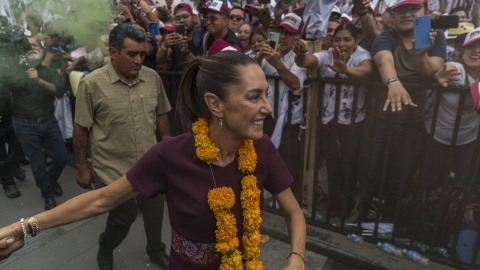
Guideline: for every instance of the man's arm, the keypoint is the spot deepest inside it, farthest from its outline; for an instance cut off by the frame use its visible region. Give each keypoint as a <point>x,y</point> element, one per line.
<point>368,27</point>
<point>148,11</point>
<point>163,125</point>
<point>290,79</point>
<point>396,92</point>
<point>273,57</point>
<point>429,65</point>
<point>49,86</point>
<point>164,48</point>
<point>302,59</point>
<point>84,175</point>
<point>48,59</point>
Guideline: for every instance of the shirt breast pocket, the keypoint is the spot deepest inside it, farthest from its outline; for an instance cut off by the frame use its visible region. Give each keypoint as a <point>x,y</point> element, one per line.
<point>150,104</point>
<point>114,112</point>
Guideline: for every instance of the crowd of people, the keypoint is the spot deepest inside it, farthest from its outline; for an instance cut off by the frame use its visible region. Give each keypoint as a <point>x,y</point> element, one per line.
<point>110,99</point>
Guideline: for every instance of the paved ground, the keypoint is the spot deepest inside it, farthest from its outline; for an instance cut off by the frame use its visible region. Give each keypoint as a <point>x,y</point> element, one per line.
<point>74,246</point>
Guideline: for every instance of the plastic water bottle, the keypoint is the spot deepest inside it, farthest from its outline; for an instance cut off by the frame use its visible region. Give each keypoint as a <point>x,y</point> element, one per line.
<point>416,257</point>
<point>390,249</point>
<point>441,251</point>
<point>355,238</point>
<point>422,247</point>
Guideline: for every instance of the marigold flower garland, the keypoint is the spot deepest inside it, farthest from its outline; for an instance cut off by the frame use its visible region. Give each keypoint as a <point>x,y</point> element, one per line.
<point>222,199</point>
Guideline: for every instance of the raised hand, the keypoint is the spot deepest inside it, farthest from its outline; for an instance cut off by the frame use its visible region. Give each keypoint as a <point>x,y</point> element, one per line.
<point>339,62</point>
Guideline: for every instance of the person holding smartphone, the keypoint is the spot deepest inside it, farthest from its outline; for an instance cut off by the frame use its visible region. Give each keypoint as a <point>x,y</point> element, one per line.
<point>281,62</point>
<point>178,48</point>
<point>399,106</point>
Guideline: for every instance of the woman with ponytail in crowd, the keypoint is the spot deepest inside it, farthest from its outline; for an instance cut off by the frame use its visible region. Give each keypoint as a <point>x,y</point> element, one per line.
<point>341,144</point>
<point>212,177</point>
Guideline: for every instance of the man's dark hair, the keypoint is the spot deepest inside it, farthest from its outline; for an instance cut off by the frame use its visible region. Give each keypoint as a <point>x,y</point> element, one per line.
<point>453,10</point>
<point>122,31</point>
<point>237,7</point>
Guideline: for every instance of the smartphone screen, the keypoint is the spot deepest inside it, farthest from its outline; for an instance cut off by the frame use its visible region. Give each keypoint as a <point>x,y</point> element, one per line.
<point>421,32</point>
<point>180,29</point>
<point>273,38</point>
<point>153,29</point>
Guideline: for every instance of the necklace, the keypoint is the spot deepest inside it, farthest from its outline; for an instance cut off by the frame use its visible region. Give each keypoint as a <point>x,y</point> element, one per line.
<point>222,199</point>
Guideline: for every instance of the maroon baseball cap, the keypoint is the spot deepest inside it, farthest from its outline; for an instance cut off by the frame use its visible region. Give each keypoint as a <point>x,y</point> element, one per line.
<point>216,6</point>
<point>182,7</point>
<point>292,22</point>
<point>221,45</point>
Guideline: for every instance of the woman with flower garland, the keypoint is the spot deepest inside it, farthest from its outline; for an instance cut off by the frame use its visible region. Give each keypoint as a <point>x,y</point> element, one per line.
<point>211,177</point>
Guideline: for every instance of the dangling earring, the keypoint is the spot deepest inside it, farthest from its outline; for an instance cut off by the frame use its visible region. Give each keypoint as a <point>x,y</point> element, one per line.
<point>221,122</point>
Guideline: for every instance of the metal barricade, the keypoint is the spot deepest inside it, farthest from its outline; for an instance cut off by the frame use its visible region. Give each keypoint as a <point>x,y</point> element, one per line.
<point>441,222</point>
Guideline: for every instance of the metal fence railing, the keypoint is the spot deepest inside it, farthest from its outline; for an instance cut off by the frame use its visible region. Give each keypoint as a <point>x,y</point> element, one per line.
<point>414,191</point>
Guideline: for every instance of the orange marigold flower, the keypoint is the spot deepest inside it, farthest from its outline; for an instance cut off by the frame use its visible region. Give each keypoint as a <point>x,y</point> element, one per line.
<point>247,158</point>
<point>225,246</point>
<point>220,199</point>
<point>200,127</point>
<point>249,181</point>
<point>254,265</point>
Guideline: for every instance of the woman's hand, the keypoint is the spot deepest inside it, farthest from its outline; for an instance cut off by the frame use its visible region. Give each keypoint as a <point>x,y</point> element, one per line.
<point>339,62</point>
<point>11,239</point>
<point>8,245</point>
<point>447,74</point>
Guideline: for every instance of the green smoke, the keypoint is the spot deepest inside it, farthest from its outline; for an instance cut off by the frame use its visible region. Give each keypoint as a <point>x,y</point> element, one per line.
<point>85,20</point>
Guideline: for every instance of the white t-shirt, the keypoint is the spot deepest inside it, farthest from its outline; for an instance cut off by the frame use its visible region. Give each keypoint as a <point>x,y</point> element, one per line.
<point>346,100</point>
<point>447,113</point>
<point>297,103</point>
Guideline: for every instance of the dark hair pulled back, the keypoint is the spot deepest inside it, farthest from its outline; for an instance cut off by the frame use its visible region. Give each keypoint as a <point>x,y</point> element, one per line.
<point>210,75</point>
<point>349,27</point>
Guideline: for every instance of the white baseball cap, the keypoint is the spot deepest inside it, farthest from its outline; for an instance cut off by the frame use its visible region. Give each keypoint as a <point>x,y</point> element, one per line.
<point>472,36</point>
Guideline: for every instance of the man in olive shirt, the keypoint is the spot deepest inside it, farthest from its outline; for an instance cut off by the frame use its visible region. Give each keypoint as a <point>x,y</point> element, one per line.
<point>123,104</point>
<point>33,91</point>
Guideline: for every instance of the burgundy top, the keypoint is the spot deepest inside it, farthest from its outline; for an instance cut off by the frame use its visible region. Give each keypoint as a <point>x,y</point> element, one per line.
<point>172,167</point>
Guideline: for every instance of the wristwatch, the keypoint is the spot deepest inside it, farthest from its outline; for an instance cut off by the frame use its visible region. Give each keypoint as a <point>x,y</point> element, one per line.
<point>392,79</point>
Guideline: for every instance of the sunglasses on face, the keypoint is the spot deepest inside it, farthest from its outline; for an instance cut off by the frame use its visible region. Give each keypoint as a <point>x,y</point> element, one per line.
<point>237,17</point>
<point>184,16</point>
